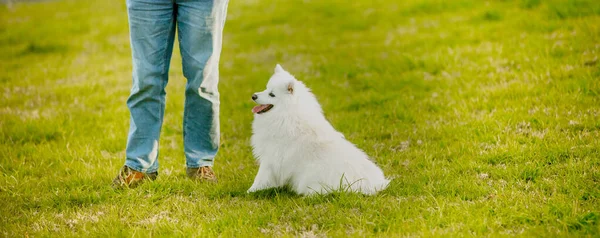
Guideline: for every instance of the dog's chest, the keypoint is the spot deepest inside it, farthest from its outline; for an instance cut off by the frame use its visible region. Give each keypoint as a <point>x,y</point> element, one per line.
<point>269,147</point>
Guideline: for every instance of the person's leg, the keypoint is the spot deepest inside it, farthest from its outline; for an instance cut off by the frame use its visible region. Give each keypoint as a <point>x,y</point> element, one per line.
<point>152,30</point>
<point>200,27</point>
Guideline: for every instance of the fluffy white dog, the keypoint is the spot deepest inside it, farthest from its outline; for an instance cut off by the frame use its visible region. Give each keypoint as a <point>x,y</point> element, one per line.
<point>296,146</point>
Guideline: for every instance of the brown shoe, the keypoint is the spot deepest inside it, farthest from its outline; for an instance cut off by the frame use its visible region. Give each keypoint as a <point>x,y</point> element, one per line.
<point>203,173</point>
<point>129,178</point>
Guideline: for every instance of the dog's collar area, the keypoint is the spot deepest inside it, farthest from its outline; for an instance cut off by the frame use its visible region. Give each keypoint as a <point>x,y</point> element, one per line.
<point>260,109</point>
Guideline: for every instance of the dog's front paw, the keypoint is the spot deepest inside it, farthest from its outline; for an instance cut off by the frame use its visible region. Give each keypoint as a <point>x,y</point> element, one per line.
<point>252,189</point>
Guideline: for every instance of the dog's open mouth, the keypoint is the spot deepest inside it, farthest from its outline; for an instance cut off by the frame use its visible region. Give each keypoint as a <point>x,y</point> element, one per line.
<point>262,108</point>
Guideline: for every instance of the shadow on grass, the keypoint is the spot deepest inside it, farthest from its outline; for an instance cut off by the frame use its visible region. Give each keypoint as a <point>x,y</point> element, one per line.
<point>267,194</point>
<point>39,49</point>
<point>287,193</point>
<point>283,192</point>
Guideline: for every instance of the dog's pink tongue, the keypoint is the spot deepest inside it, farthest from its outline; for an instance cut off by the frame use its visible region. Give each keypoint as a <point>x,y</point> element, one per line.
<point>258,108</point>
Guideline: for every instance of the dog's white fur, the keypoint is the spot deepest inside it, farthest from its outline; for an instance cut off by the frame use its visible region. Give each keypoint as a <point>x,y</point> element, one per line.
<point>296,146</point>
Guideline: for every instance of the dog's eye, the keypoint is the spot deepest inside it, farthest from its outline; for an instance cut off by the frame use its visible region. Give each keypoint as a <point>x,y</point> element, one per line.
<point>272,95</point>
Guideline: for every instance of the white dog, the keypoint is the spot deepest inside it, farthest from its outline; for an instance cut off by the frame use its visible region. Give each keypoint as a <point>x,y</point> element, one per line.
<point>296,146</point>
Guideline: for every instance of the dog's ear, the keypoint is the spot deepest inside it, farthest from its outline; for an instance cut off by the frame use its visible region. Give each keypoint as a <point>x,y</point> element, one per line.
<point>290,87</point>
<point>278,69</point>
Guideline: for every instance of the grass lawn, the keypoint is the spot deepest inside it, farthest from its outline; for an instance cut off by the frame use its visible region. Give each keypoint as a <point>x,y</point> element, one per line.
<point>485,113</point>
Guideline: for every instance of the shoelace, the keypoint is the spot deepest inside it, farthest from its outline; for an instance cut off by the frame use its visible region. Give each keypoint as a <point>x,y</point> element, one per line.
<point>206,171</point>
<point>127,176</point>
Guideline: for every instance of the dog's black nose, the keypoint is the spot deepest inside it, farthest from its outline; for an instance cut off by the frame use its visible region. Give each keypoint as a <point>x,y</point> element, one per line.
<point>254,97</point>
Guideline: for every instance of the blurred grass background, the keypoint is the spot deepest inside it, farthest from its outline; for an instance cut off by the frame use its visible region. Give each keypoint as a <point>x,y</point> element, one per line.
<point>486,113</point>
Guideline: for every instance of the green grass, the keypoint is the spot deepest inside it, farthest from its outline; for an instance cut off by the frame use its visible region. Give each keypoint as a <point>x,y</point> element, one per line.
<point>485,113</point>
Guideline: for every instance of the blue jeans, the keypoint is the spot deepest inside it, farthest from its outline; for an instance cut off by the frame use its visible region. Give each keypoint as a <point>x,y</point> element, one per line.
<point>152,25</point>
